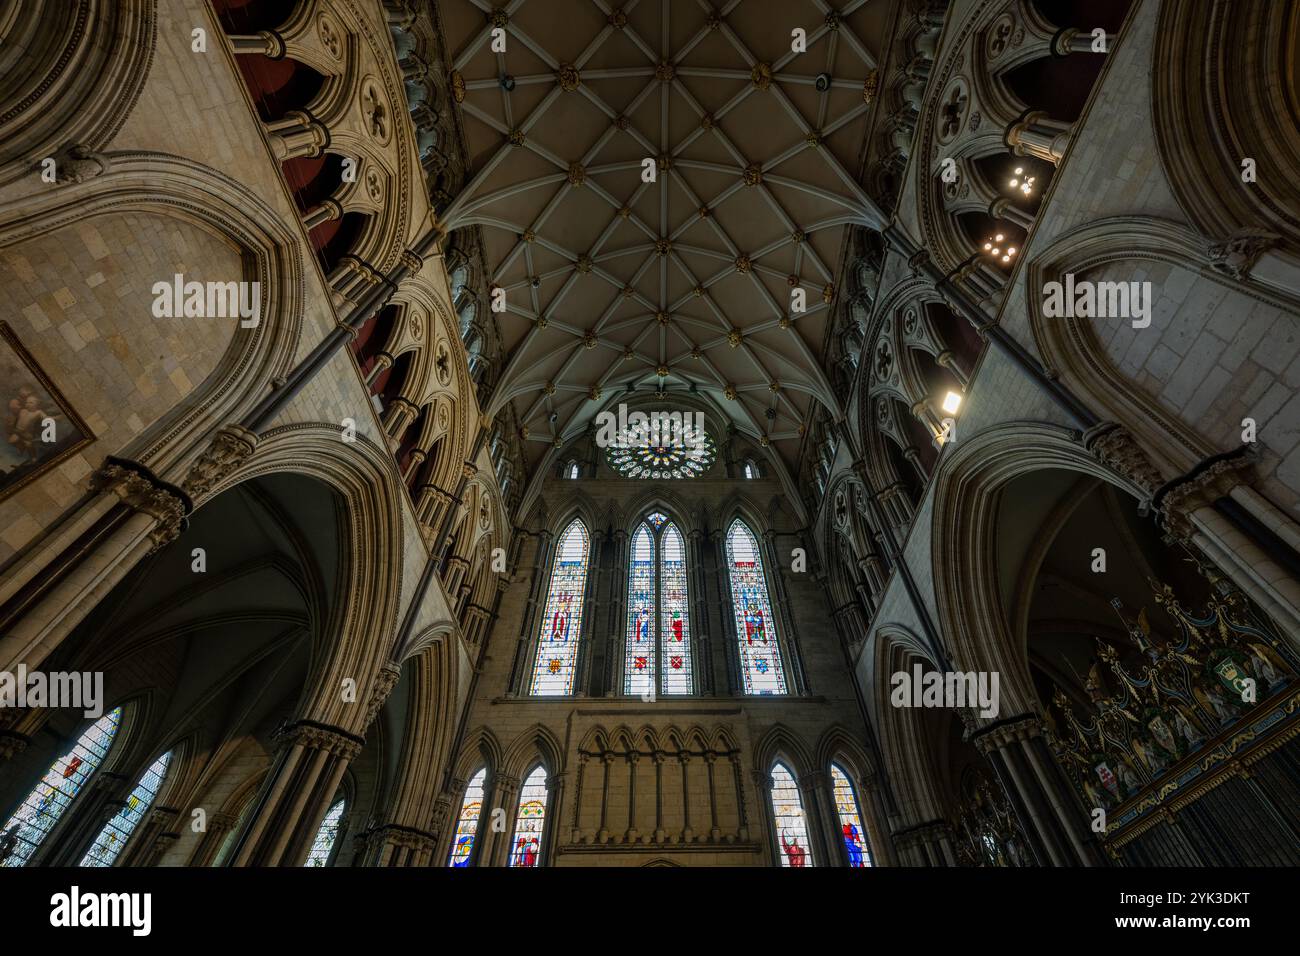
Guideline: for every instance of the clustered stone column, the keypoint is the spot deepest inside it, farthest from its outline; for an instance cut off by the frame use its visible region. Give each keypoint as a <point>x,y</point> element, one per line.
<point>927,844</point>
<point>136,514</point>
<point>1038,792</point>
<point>296,794</point>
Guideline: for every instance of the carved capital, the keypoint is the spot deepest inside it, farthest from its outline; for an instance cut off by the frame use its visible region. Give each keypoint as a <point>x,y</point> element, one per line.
<point>1200,489</point>
<point>142,491</point>
<point>321,737</point>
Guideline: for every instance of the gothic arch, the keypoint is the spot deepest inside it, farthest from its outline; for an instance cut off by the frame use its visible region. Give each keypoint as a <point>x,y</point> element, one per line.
<point>170,186</point>
<point>89,61</point>
<point>904,740</point>
<point>534,745</point>
<point>782,743</point>
<point>1217,99</point>
<point>361,473</point>
<point>966,499</point>
<point>1070,346</point>
<point>837,745</point>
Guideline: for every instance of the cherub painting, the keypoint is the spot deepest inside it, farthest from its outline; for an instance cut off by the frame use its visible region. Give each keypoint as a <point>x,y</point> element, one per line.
<point>40,428</point>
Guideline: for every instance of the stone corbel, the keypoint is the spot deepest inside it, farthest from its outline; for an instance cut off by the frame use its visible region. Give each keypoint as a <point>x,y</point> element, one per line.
<point>231,446</point>
<point>1116,448</point>
<point>1237,255</point>
<point>384,683</point>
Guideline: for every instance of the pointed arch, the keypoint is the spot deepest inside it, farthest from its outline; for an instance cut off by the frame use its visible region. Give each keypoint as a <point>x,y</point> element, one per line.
<point>467,820</point>
<point>112,838</point>
<point>788,818</point>
<point>560,628</point>
<point>325,847</point>
<point>762,663</point>
<point>526,841</point>
<point>43,808</point>
<point>848,811</point>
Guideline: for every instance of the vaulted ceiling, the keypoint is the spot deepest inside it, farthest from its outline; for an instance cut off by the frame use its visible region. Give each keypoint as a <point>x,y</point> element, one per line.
<point>684,282</point>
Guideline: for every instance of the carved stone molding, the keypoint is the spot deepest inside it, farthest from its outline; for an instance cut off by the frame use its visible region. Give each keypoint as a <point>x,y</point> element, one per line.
<point>320,737</point>
<point>231,447</point>
<point>1004,734</point>
<point>142,491</point>
<point>1199,490</point>
<point>1117,449</point>
<point>1236,256</point>
<point>384,683</point>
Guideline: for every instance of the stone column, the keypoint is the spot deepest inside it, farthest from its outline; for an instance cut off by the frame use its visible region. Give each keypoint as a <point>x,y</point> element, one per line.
<point>798,683</point>
<point>521,668</point>
<point>700,623</point>
<point>688,833</point>
<point>141,515</point>
<point>98,803</point>
<point>152,838</point>
<point>1049,814</point>
<point>1036,134</point>
<point>726,657</point>
<point>812,789</point>
<point>297,134</point>
<point>1072,40</point>
<point>294,797</point>
<point>219,825</point>
<point>632,834</point>
<point>927,844</point>
<point>715,832</point>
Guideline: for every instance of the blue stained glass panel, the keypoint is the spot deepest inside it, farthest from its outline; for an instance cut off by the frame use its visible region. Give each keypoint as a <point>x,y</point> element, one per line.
<point>112,839</point>
<point>561,624</point>
<point>471,808</point>
<point>760,654</point>
<point>526,847</point>
<point>639,662</point>
<point>846,805</point>
<point>42,808</point>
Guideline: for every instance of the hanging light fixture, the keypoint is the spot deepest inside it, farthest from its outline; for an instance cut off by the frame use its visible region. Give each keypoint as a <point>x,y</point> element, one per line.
<point>1022,182</point>
<point>996,247</point>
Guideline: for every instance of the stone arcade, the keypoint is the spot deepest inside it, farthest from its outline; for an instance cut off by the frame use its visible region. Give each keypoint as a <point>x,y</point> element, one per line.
<point>362,576</point>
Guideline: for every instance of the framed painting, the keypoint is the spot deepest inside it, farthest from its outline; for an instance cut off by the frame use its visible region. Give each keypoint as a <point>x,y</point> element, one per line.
<point>40,426</point>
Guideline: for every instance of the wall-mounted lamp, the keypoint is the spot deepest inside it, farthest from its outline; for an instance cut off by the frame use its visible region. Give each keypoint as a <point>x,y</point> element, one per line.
<point>951,402</point>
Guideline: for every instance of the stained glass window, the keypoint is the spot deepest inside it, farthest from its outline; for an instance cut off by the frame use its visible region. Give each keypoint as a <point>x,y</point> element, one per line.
<point>573,470</point>
<point>43,807</point>
<point>639,665</point>
<point>326,836</point>
<point>676,625</point>
<point>666,445</point>
<point>526,847</point>
<point>760,655</point>
<point>462,844</point>
<point>658,636</point>
<point>112,839</point>
<point>846,804</point>
<point>750,470</point>
<point>791,830</point>
<point>561,625</point>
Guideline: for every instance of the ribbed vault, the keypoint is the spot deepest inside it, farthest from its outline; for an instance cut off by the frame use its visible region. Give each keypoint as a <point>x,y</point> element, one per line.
<point>684,282</point>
